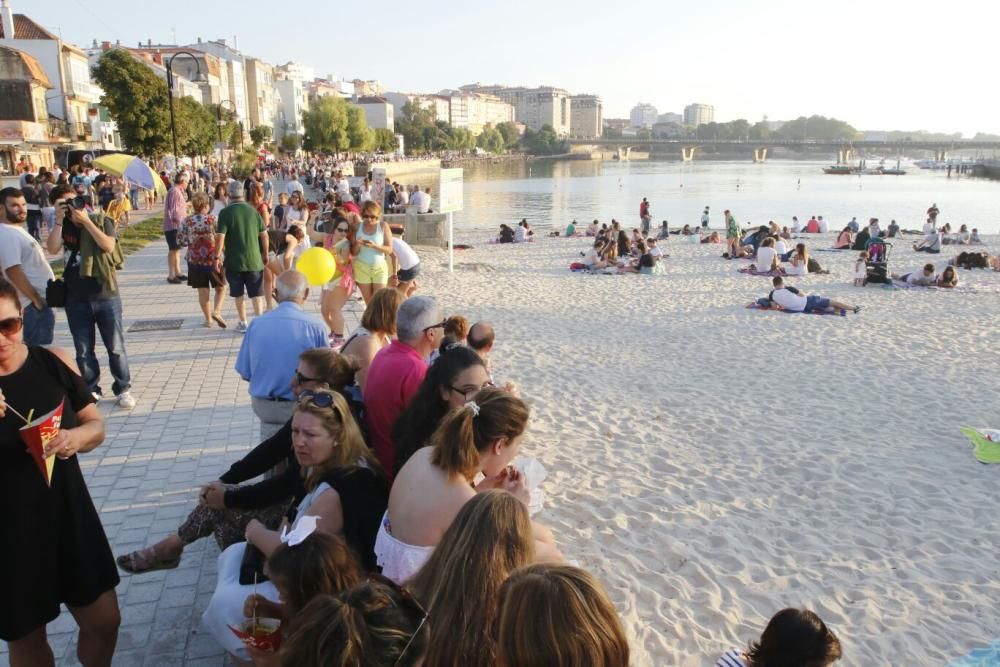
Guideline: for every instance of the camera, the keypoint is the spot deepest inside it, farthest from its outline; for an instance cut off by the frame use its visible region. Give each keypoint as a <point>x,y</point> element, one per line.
<point>81,202</point>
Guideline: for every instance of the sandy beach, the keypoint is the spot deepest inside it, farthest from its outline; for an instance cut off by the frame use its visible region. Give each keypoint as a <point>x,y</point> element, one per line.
<point>713,464</point>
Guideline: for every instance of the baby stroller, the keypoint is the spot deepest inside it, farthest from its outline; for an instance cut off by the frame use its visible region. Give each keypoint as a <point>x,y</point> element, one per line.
<point>877,264</point>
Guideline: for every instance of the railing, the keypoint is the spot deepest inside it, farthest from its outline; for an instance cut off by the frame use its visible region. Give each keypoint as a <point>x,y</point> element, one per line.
<point>58,128</point>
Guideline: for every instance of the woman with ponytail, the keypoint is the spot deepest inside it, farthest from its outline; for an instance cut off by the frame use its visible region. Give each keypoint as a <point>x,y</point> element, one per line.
<point>483,436</point>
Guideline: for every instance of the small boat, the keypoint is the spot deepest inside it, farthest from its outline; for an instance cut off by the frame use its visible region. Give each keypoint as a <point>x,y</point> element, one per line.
<point>839,170</point>
<point>888,171</point>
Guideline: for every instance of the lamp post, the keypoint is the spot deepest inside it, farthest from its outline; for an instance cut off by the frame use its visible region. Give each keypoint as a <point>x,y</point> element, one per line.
<point>198,78</point>
<point>218,112</point>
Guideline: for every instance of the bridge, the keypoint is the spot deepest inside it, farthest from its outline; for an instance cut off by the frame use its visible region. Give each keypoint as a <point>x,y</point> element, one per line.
<point>760,147</point>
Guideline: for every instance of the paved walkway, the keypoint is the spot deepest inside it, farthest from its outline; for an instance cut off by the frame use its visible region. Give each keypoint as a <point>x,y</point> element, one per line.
<point>193,418</point>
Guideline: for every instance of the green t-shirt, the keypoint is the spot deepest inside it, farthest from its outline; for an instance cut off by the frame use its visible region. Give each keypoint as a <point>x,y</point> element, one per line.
<point>242,226</point>
<point>570,229</point>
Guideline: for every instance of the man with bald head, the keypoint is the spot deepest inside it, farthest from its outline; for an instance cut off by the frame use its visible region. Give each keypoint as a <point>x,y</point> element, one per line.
<point>480,339</point>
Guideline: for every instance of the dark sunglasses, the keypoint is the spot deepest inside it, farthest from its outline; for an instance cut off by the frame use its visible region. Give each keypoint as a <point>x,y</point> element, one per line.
<point>407,599</point>
<point>439,325</point>
<point>300,378</point>
<point>370,217</point>
<point>11,325</point>
<point>321,399</point>
<point>342,230</point>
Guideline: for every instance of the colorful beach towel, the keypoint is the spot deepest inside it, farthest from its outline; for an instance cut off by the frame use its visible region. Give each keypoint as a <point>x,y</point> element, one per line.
<point>752,270</point>
<point>756,305</point>
<point>984,449</point>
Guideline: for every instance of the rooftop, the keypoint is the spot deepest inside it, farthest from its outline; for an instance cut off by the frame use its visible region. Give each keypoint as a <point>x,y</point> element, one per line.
<point>26,28</point>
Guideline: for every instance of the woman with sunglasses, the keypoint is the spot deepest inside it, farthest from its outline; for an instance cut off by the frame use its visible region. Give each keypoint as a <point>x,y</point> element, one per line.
<point>344,494</point>
<point>338,240</point>
<point>454,377</point>
<point>482,436</point>
<point>371,249</point>
<point>55,550</point>
<point>225,508</point>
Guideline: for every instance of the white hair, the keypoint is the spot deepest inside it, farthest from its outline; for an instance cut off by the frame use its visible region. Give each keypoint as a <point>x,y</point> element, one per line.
<point>291,285</point>
<point>415,315</point>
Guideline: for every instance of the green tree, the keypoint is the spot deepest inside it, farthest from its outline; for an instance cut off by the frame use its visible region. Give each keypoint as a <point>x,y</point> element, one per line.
<point>419,129</point>
<point>290,143</point>
<point>490,140</point>
<point>511,135</point>
<point>385,140</point>
<point>197,129</point>
<point>137,101</point>
<point>260,135</point>
<point>760,130</point>
<point>326,125</point>
<point>817,128</point>
<point>460,139</point>
<point>360,137</point>
<point>543,142</point>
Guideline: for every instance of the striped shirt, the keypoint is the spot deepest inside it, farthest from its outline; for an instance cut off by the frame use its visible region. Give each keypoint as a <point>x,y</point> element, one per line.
<point>731,658</point>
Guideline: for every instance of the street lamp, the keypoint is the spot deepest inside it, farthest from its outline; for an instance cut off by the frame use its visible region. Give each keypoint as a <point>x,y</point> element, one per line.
<point>198,78</point>
<point>218,112</point>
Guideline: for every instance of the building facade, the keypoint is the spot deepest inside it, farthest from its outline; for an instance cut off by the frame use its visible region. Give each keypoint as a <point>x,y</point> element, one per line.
<point>440,105</point>
<point>643,116</point>
<point>262,96</point>
<point>586,119</point>
<point>699,114</point>
<point>232,61</point>
<point>26,134</point>
<point>378,112</point>
<point>535,107</point>
<point>294,100</point>
<point>671,118</point>
<point>477,111</point>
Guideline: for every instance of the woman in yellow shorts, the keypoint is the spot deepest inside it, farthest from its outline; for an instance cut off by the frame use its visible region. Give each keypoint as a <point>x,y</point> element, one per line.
<point>371,248</point>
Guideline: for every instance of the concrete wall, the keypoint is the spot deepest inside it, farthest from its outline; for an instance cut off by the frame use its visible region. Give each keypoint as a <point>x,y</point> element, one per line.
<point>429,229</point>
<point>46,52</point>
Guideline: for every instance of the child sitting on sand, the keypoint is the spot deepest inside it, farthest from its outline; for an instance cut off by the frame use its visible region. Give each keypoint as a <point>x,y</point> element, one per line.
<point>792,637</point>
<point>860,269</point>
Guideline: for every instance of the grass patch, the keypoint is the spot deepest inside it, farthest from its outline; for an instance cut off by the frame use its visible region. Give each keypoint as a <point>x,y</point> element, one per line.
<point>131,239</point>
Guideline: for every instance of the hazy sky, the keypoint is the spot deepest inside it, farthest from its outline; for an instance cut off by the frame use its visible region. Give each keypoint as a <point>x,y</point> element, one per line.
<point>877,64</point>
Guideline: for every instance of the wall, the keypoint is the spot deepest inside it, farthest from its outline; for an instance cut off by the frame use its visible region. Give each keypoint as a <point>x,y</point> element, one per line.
<point>46,52</point>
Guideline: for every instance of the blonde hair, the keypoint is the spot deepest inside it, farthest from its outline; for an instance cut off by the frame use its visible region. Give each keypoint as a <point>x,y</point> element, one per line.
<point>463,433</point>
<point>339,423</point>
<point>558,615</point>
<point>199,202</point>
<point>489,538</point>
<point>371,208</point>
<point>380,315</point>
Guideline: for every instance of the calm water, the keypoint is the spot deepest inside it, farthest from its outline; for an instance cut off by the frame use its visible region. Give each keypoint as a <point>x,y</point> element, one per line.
<point>554,192</point>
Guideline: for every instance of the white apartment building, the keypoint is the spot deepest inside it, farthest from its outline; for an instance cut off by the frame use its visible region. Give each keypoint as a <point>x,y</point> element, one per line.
<point>293,96</point>
<point>643,116</point>
<point>378,112</point>
<point>699,114</point>
<point>297,71</point>
<point>439,104</point>
<point>233,61</point>
<point>477,111</point>
<point>262,96</point>
<point>535,107</point>
<point>586,119</point>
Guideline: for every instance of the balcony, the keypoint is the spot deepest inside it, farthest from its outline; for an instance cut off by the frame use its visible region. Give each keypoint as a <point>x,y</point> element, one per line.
<point>84,91</point>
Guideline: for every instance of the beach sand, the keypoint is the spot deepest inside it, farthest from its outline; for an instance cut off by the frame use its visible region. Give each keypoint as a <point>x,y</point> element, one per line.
<point>713,464</point>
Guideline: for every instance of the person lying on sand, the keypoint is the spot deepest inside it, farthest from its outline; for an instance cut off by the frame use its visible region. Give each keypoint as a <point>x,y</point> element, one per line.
<point>712,238</point>
<point>796,301</point>
<point>792,637</point>
<point>921,278</point>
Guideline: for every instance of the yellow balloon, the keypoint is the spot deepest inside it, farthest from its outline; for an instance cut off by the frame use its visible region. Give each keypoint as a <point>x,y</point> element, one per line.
<point>317,265</point>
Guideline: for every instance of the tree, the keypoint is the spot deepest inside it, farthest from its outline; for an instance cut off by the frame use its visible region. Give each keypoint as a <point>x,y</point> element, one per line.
<point>360,137</point>
<point>490,140</point>
<point>543,142</point>
<point>418,127</point>
<point>511,135</point>
<point>260,135</point>
<point>461,139</point>
<point>290,143</point>
<point>817,128</point>
<point>326,125</point>
<point>385,140</point>
<point>137,100</point>
<point>197,129</point>
<point>760,130</point>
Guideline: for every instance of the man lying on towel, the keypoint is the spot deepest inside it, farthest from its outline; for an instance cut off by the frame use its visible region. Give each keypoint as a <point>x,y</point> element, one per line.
<point>796,301</point>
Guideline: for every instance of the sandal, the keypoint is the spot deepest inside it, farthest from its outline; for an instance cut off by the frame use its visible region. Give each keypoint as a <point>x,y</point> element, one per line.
<point>218,319</point>
<point>146,560</point>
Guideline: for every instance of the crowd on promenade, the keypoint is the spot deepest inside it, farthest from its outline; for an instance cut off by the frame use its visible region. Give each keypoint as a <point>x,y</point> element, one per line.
<point>386,503</point>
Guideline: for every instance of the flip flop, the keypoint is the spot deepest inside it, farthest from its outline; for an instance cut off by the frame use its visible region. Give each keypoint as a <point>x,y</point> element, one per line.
<point>146,560</point>
<point>218,320</point>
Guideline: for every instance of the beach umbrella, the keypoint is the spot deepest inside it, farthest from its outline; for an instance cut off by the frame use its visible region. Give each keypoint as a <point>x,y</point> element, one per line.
<point>132,169</point>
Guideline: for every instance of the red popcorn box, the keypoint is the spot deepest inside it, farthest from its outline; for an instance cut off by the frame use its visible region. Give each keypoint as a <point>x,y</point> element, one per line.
<point>38,433</point>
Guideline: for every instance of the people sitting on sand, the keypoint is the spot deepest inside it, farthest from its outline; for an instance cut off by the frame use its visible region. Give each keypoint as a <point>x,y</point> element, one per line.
<point>767,258</point>
<point>931,243</point>
<point>522,232</point>
<point>558,615</point>
<point>773,229</point>
<point>823,226</point>
<point>844,240</point>
<point>506,234</point>
<point>684,231</point>
<point>781,247</point>
<point>812,226</point>
<point>795,227</point>
<point>893,230</point>
<point>874,229</point>
<point>714,237</point>
<point>592,228</point>
<point>571,228</point>
<point>663,232</point>
<point>785,233</point>
<point>792,637</point>
<point>974,237</point>
<point>483,436</point>
<point>624,245</point>
<point>594,258</point>
<point>754,239</point>
<point>636,237</point>
<point>797,301</point>
<point>654,251</point>
<point>861,239</point>
<point>798,261</point>
<point>922,278</point>
<point>962,236</point>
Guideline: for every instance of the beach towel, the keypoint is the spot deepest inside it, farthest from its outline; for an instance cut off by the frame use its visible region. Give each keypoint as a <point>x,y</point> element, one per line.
<point>752,270</point>
<point>959,289</point>
<point>984,449</point>
<point>757,305</point>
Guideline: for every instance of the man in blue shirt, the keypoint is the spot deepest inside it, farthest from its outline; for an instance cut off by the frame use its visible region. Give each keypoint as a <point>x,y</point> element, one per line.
<point>269,355</point>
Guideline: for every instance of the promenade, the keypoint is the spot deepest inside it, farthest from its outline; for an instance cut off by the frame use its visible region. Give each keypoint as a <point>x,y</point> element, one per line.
<point>192,419</point>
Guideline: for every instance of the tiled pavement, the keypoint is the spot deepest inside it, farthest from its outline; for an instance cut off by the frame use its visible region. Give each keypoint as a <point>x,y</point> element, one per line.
<point>192,419</point>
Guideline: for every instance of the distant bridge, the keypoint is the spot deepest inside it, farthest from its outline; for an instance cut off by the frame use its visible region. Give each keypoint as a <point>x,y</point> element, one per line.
<point>845,148</point>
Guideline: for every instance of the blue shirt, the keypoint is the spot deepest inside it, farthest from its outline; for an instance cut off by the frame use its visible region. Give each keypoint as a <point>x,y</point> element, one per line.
<point>271,347</point>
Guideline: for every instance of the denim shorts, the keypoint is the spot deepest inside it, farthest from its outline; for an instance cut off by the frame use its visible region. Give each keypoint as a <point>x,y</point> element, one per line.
<point>251,281</point>
<point>814,302</point>
<point>406,275</point>
<point>171,236</point>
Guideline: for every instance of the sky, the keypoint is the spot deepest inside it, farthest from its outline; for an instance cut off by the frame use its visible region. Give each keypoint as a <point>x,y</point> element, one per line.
<point>877,64</point>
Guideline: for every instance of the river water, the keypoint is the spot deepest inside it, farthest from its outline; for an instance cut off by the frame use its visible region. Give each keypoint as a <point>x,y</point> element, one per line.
<point>554,192</point>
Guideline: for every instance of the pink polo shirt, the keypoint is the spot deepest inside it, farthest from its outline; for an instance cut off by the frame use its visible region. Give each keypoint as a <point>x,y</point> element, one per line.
<point>393,377</point>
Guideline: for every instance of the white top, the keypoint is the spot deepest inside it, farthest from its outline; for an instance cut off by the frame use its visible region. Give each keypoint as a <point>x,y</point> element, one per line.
<point>859,269</point>
<point>19,248</point>
<point>366,194</point>
<point>421,200</point>
<point>918,278</point>
<point>294,186</point>
<point>344,189</point>
<point>823,227</point>
<point>793,270</point>
<point>780,246</point>
<point>405,254</point>
<point>928,228</point>
<point>731,658</point>
<point>704,219</point>
<point>399,561</point>
<point>765,256</point>
<point>292,215</point>
<point>520,234</point>
<point>592,257</point>
<point>789,300</point>
<point>656,252</point>
<point>217,207</point>
<point>796,226</point>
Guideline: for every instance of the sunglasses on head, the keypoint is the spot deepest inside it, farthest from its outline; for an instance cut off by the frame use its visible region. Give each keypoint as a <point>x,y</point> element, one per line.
<point>11,325</point>
<point>407,598</point>
<point>321,399</point>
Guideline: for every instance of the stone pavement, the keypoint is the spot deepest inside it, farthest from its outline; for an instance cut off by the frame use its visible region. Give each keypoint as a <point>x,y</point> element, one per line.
<point>193,418</point>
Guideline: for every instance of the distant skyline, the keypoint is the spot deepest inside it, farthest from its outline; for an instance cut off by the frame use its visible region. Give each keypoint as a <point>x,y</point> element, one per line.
<point>883,65</point>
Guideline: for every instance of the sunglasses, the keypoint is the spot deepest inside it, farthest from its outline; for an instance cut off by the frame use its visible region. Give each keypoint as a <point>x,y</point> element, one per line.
<point>321,399</point>
<point>407,599</point>
<point>466,391</point>
<point>300,378</point>
<point>370,217</point>
<point>11,325</point>
<point>439,325</point>
<point>342,230</point>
